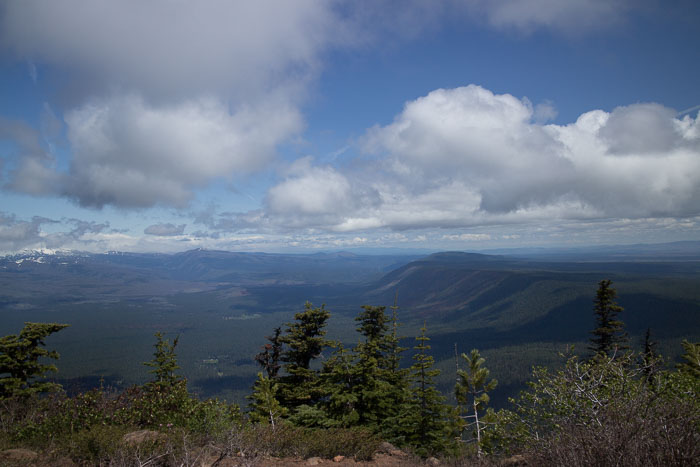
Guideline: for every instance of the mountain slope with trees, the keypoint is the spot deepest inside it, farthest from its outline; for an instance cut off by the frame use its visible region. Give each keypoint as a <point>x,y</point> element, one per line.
<point>613,406</point>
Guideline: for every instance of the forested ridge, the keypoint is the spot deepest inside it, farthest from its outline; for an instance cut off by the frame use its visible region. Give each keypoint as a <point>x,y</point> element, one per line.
<point>617,403</point>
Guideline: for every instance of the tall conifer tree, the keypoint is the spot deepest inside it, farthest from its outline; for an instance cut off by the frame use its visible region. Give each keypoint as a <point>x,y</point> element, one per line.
<point>377,392</point>
<point>609,334</point>
<point>423,420</point>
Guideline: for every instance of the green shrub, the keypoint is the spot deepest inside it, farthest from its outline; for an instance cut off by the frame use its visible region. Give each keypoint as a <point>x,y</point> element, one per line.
<point>605,411</point>
<point>95,445</point>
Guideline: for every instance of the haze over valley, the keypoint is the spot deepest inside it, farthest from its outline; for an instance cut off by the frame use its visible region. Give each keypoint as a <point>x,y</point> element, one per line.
<point>519,310</point>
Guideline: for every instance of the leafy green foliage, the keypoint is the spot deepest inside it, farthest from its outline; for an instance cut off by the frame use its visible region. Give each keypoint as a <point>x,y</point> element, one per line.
<point>19,360</point>
<point>89,426</point>
<point>603,412</point>
<point>613,409</point>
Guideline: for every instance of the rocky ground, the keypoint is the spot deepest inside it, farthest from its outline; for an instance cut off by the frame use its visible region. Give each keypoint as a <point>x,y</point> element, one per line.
<point>386,456</point>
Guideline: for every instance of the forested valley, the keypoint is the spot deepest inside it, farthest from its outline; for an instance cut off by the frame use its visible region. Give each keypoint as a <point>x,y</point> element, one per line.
<point>616,402</point>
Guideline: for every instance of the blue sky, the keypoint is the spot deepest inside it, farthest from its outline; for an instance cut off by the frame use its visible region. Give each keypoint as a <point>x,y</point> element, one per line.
<point>324,125</point>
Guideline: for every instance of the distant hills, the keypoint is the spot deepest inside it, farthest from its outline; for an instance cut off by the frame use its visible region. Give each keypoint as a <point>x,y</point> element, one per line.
<point>515,307</point>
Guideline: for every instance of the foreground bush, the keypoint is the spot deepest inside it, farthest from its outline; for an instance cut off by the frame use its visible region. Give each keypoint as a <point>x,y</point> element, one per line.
<point>606,411</point>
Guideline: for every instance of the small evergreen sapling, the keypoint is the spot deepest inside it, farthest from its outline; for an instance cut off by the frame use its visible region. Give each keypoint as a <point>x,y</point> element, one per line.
<point>264,406</point>
<point>164,362</point>
<point>472,390</point>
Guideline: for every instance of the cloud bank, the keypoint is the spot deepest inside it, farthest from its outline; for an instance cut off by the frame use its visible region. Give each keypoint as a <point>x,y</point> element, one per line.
<point>165,230</point>
<point>156,101</point>
<point>167,49</point>
<point>160,99</point>
<point>466,156</point>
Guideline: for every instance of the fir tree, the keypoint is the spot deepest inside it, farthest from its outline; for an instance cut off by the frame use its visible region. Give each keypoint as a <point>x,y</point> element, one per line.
<point>305,342</point>
<point>394,349</point>
<point>379,393</point>
<point>164,362</point>
<point>19,360</point>
<point>264,406</point>
<point>609,335</point>
<point>373,325</point>
<point>691,359</point>
<point>397,377</point>
<point>423,420</point>
<point>340,383</point>
<point>472,390</point>
<point>366,387</point>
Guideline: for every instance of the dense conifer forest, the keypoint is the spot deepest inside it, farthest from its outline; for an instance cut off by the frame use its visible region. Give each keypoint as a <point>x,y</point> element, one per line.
<point>619,403</point>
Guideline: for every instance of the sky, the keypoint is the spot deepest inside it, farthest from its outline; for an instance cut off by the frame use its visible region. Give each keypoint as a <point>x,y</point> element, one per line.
<point>373,125</point>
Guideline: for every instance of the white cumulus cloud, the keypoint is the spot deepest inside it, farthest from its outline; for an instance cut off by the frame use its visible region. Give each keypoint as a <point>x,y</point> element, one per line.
<point>131,154</point>
<point>467,157</point>
<point>161,98</point>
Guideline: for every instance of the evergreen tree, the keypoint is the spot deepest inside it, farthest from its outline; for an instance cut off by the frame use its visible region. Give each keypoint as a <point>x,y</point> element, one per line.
<point>269,358</point>
<point>609,334</point>
<point>650,358</point>
<point>264,406</point>
<point>423,420</point>
<point>691,359</point>
<point>366,387</point>
<point>19,360</point>
<point>373,325</point>
<point>340,378</point>
<point>394,349</point>
<point>305,342</point>
<point>397,377</point>
<point>472,390</point>
<point>164,362</point>
<point>380,390</point>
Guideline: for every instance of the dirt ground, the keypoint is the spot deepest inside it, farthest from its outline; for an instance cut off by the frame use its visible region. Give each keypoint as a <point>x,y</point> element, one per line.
<point>380,460</point>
